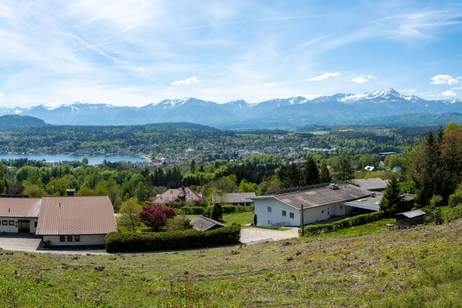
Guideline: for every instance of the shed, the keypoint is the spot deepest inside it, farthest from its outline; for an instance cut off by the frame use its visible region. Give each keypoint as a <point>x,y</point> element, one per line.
<point>203,223</point>
<point>411,218</point>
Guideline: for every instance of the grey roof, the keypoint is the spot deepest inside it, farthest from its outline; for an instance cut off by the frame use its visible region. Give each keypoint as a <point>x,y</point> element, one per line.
<point>408,197</point>
<point>236,198</point>
<point>371,203</point>
<point>370,184</point>
<point>203,223</point>
<point>321,195</point>
<point>412,214</point>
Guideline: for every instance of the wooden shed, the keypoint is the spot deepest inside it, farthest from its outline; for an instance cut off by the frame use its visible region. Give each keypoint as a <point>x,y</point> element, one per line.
<point>409,219</point>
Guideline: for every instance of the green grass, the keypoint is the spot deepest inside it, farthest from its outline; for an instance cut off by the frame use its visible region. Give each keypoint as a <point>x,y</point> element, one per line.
<point>403,268</point>
<point>372,227</point>
<point>241,218</point>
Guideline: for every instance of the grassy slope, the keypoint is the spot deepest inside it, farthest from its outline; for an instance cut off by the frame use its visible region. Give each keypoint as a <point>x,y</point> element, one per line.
<point>404,268</point>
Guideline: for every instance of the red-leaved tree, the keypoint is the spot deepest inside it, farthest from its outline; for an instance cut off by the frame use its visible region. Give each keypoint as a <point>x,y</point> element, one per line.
<point>155,216</point>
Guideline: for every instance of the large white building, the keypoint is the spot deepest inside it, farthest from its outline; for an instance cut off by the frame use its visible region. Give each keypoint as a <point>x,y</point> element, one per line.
<point>60,221</point>
<point>319,203</point>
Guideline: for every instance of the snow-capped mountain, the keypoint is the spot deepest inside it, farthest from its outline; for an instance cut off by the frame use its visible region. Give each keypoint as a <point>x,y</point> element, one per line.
<point>339,109</point>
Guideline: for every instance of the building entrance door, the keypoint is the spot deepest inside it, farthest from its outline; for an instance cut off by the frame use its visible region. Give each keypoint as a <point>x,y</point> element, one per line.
<point>23,226</point>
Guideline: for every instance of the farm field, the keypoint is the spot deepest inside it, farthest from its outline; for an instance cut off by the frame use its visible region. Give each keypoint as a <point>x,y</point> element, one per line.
<point>421,266</point>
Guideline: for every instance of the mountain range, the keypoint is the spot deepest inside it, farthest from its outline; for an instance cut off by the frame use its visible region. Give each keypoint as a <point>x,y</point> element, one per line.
<point>17,121</point>
<point>385,107</point>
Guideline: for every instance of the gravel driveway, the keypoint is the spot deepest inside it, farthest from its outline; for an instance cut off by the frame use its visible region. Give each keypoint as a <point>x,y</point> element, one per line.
<point>252,235</point>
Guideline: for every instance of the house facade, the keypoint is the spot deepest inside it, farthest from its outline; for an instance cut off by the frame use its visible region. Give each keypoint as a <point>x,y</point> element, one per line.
<point>59,221</point>
<point>318,203</point>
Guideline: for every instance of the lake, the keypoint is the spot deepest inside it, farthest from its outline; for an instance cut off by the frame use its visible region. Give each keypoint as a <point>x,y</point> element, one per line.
<point>92,160</point>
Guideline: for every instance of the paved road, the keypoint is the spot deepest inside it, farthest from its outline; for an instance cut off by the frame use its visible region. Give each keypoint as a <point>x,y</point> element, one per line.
<point>253,235</point>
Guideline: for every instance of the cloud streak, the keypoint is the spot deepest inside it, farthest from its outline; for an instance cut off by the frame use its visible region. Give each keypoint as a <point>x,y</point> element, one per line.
<point>324,76</point>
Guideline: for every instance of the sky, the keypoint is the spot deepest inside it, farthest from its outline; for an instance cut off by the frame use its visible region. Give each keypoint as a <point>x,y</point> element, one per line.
<point>136,52</point>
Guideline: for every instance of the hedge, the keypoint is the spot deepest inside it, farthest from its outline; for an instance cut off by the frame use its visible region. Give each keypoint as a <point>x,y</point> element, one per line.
<point>344,223</point>
<point>192,210</point>
<point>173,240</point>
<point>236,208</point>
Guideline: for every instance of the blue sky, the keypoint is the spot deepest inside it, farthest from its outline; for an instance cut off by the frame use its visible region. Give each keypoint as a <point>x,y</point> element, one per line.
<point>135,52</point>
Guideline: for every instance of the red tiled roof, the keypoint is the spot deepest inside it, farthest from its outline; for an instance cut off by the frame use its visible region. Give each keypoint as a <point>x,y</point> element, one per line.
<point>19,207</point>
<point>76,215</point>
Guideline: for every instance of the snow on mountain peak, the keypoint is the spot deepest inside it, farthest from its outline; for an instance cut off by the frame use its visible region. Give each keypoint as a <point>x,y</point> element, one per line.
<point>385,94</point>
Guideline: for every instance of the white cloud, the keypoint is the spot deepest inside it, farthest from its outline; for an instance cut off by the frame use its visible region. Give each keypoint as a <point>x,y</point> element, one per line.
<point>362,79</point>
<point>446,79</point>
<point>186,82</point>
<point>325,76</point>
<point>449,93</point>
<point>2,94</point>
<point>269,84</point>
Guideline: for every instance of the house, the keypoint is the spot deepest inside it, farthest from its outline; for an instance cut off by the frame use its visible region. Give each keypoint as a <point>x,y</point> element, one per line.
<point>71,221</point>
<point>19,215</point>
<point>411,218</point>
<point>244,199</point>
<point>60,221</point>
<point>320,202</point>
<point>182,194</point>
<point>203,223</point>
<point>372,184</point>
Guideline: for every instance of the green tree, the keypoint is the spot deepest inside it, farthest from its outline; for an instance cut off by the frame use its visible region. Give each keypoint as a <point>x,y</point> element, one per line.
<point>129,215</point>
<point>2,179</point>
<point>392,202</point>
<point>142,193</point>
<point>217,212</point>
<point>343,168</point>
<point>324,176</point>
<point>33,190</point>
<point>310,172</point>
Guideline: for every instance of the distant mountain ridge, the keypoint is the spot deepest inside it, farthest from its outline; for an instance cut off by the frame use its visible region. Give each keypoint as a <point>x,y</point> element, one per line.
<point>339,109</point>
<point>18,121</point>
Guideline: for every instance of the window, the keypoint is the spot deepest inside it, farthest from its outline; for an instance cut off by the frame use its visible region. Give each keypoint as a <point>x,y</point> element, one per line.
<point>77,238</point>
<point>35,224</point>
<point>322,211</point>
<point>11,222</point>
<point>62,238</point>
<point>5,222</point>
<point>69,238</point>
<point>291,215</point>
<point>269,209</point>
<point>284,213</point>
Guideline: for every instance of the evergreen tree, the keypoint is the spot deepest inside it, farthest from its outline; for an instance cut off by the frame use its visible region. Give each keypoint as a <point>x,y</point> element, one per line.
<point>217,212</point>
<point>192,166</point>
<point>141,193</point>
<point>392,202</point>
<point>310,171</point>
<point>324,176</point>
<point>343,169</point>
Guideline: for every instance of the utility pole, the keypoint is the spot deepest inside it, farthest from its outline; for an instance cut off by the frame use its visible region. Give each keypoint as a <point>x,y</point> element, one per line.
<point>301,220</point>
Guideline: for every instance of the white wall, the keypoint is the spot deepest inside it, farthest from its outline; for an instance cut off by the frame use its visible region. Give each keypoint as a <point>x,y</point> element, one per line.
<point>275,218</point>
<point>85,240</point>
<point>311,215</point>
<point>14,228</point>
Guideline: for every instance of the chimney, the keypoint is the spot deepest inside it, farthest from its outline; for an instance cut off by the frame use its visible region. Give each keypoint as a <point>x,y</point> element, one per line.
<point>59,204</point>
<point>70,192</point>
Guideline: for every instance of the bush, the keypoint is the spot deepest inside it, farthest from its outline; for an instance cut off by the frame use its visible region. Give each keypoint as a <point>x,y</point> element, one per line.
<point>178,223</point>
<point>236,208</point>
<point>155,216</point>
<point>436,201</point>
<point>456,198</point>
<point>156,241</point>
<point>453,213</point>
<point>193,210</point>
<point>344,223</point>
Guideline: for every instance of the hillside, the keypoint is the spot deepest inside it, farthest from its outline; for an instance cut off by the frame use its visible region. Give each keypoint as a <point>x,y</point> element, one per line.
<point>18,121</point>
<point>368,108</point>
<point>418,267</point>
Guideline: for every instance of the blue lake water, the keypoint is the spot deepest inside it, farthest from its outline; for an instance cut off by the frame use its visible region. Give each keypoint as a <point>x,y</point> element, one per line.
<point>92,160</point>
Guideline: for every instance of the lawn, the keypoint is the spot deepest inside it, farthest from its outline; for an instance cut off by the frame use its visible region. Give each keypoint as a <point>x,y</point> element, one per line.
<point>405,268</point>
<point>241,218</point>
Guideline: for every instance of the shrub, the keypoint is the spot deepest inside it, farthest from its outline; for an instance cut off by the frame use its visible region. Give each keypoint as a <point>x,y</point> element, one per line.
<point>178,223</point>
<point>344,223</point>
<point>193,210</point>
<point>156,241</point>
<point>456,198</point>
<point>155,216</point>
<point>453,213</point>
<point>236,208</point>
<point>436,201</point>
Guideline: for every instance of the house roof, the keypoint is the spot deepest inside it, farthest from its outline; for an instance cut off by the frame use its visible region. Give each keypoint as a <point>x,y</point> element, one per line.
<point>320,195</point>
<point>178,194</point>
<point>203,223</point>
<point>76,215</point>
<point>370,184</point>
<point>412,214</point>
<point>236,198</point>
<point>371,203</point>
<point>20,207</point>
